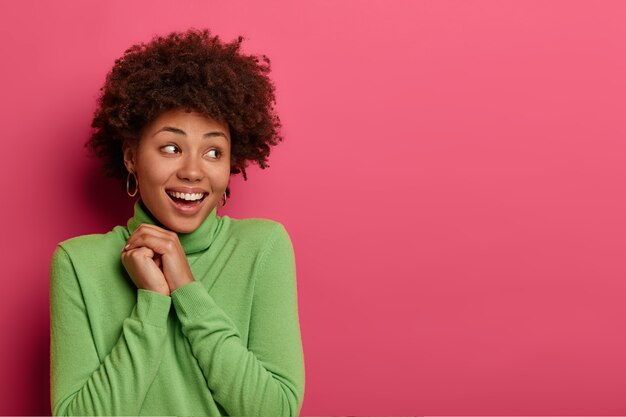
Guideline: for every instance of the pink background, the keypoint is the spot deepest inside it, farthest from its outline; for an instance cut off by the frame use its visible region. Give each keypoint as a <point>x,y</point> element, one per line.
<point>452,178</point>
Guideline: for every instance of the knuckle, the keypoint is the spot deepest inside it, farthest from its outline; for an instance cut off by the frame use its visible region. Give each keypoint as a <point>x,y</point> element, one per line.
<point>135,254</point>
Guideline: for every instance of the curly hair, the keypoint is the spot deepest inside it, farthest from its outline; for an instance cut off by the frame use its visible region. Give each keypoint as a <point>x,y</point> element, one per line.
<point>192,70</point>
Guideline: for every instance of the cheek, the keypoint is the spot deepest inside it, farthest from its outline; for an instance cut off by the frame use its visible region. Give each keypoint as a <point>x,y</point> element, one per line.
<point>220,173</point>
<point>151,180</point>
<point>151,170</point>
<point>219,179</point>
<point>221,182</point>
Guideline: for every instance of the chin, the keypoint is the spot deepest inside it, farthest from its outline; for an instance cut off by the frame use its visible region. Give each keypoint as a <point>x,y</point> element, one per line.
<point>177,220</point>
<point>184,226</point>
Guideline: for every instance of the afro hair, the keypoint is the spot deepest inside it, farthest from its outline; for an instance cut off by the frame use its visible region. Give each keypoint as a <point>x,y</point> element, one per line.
<point>191,70</point>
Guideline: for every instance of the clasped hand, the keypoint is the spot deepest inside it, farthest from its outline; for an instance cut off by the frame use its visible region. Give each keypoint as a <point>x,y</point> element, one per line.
<point>155,260</point>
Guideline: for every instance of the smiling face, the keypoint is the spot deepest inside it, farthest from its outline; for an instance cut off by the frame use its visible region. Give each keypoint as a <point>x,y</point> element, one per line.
<point>182,163</point>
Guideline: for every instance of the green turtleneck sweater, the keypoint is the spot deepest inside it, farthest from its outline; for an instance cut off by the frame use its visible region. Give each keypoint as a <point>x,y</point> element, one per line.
<point>227,344</point>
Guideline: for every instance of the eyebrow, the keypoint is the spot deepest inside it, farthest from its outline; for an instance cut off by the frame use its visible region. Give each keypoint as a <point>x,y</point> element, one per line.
<point>178,131</point>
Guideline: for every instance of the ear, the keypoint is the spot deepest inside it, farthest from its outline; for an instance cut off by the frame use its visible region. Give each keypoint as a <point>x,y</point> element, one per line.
<point>129,155</point>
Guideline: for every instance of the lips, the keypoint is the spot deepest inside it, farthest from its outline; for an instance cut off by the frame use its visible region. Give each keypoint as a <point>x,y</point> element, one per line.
<point>186,196</point>
<point>186,201</point>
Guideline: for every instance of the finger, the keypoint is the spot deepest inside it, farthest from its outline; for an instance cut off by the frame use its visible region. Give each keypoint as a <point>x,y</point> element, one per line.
<point>158,244</point>
<point>138,256</point>
<point>142,251</point>
<point>154,228</point>
<point>141,265</point>
<point>150,229</point>
<point>144,230</point>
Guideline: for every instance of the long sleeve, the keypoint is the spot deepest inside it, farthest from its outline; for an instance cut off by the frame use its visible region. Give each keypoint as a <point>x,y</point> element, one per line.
<point>80,383</point>
<point>265,378</point>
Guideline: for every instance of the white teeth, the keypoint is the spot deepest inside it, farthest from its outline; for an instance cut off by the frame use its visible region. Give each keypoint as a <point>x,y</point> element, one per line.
<point>185,196</point>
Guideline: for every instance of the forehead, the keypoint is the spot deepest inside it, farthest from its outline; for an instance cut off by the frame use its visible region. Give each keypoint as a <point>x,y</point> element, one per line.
<point>189,122</point>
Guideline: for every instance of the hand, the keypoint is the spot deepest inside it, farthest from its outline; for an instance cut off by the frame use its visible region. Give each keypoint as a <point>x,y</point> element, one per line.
<point>145,270</point>
<point>168,253</point>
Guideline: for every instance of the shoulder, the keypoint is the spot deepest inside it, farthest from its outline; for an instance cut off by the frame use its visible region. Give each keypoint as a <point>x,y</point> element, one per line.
<point>259,232</point>
<point>272,249</point>
<point>255,228</point>
<point>92,246</point>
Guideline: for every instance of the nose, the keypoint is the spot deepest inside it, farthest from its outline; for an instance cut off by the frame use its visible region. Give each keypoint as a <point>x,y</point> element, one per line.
<point>190,169</point>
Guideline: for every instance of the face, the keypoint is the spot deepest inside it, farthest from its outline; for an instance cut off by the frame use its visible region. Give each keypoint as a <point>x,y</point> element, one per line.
<point>182,164</point>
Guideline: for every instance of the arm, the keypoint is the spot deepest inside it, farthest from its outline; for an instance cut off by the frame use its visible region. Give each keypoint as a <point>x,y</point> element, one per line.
<point>267,376</point>
<point>80,383</point>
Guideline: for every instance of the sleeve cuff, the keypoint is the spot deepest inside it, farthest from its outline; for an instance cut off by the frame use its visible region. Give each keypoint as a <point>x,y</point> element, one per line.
<point>191,301</point>
<point>152,308</point>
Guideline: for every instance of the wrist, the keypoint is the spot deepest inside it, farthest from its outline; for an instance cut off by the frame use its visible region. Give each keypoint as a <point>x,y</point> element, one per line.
<point>176,284</point>
<point>160,289</point>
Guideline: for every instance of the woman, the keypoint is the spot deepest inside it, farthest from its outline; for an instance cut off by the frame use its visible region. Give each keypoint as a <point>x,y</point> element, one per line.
<point>180,312</point>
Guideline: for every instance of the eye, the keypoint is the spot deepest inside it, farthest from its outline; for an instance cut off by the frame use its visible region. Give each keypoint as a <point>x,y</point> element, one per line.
<point>170,149</point>
<point>214,153</point>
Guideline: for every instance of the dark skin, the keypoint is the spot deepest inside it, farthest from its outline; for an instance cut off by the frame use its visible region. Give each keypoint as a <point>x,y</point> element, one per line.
<point>182,153</point>
<point>155,260</point>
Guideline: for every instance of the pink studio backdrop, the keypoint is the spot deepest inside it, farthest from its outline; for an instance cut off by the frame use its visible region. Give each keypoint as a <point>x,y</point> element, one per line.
<point>452,178</point>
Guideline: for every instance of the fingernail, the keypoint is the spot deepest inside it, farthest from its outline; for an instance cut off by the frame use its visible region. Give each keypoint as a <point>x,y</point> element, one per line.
<point>127,246</point>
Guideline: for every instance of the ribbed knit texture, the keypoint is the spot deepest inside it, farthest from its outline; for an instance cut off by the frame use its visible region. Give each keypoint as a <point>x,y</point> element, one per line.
<point>227,344</point>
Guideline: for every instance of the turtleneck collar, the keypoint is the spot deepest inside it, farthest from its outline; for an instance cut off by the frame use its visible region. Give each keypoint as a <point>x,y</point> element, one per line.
<point>196,241</point>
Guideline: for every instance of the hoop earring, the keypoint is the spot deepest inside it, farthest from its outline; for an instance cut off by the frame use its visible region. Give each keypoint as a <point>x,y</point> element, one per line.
<point>223,198</point>
<point>134,193</point>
